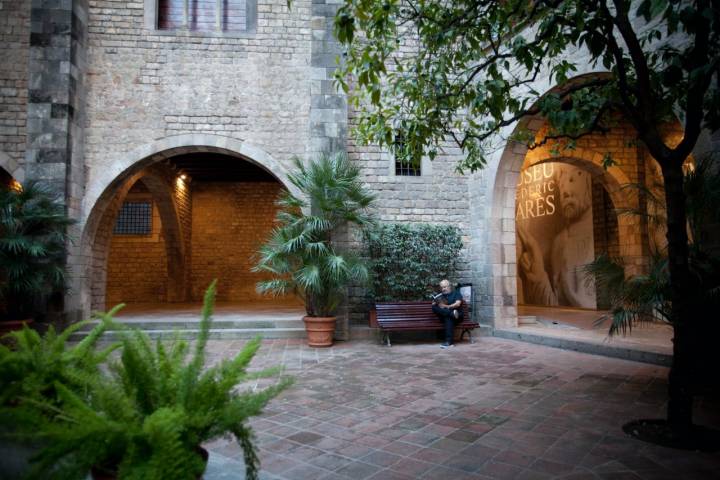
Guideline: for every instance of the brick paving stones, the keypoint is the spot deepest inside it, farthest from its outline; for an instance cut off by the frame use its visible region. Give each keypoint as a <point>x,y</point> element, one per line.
<point>494,409</point>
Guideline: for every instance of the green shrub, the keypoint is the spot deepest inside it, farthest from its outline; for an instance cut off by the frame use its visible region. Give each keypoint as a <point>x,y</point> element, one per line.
<point>408,260</point>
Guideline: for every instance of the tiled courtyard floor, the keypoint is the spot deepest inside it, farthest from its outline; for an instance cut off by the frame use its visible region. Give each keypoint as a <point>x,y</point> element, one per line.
<point>495,409</point>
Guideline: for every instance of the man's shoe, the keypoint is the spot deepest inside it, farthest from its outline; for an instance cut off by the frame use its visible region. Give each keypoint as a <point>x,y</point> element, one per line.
<point>445,345</point>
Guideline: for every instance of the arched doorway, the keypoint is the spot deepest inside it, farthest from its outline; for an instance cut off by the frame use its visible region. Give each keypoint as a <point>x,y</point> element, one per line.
<point>203,199</point>
<point>569,210</point>
<point>193,218</point>
<point>628,237</point>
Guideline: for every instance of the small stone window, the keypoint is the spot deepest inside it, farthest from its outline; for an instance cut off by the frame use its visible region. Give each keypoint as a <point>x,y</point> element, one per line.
<point>407,168</point>
<point>134,218</point>
<point>203,15</point>
<point>404,166</point>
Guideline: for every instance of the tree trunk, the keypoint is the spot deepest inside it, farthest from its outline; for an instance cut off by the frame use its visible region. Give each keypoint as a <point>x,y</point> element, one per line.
<point>679,385</point>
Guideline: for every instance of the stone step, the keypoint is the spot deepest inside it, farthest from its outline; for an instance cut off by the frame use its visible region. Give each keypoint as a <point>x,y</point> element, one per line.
<point>215,334</point>
<point>527,319</point>
<point>585,346</point>
<point>220,324</point>
<point>363,332</point>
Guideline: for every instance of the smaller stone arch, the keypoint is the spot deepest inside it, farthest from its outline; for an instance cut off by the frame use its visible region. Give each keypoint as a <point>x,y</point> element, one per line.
<point>160,182</point>
<point>6,180</point>
<point>12,167</point>
<point>502,248</point>
<point>174,234</point>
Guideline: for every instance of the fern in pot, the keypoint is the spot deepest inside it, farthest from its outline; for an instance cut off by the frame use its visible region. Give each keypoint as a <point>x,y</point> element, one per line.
<point>148,418</point>
<point>300,256</point>
<point>31,367</point>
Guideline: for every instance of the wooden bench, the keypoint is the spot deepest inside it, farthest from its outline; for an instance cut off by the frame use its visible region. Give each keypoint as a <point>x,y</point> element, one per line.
<point>409,316</point>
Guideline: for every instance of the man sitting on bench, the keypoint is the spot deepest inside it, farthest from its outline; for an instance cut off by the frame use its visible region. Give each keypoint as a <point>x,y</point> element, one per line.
<point>448,307</point>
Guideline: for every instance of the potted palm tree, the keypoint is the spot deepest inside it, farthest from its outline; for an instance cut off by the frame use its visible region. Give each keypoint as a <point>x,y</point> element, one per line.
<point>33,235</point>
<point>300,256</point>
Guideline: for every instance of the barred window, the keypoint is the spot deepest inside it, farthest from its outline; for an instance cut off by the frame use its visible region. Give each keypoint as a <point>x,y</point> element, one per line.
<point>202,15</point>
<point>404,166</point>
<point>134,218</point>
<point>407,168</point>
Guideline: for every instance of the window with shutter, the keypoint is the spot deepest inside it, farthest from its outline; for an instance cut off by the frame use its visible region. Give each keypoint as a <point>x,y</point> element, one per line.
<point>202,15</point>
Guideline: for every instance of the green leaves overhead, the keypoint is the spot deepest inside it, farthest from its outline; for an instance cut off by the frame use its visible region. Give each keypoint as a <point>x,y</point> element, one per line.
<point>431,71</point>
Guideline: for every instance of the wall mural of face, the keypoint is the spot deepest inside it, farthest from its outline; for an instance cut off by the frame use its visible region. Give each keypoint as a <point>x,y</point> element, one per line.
<point>574,190</point>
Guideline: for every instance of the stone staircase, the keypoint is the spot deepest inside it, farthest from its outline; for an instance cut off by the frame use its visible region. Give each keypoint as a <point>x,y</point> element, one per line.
<point>229,322</point>
<point>221,329</point>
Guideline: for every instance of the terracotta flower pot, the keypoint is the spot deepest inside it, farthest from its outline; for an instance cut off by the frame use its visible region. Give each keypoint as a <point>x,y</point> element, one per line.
<point>320,331</point>
<point>111,473</point>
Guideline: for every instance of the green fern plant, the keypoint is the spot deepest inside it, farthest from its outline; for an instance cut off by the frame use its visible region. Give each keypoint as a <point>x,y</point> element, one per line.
<point>31,365</point>
<point>150,414</point>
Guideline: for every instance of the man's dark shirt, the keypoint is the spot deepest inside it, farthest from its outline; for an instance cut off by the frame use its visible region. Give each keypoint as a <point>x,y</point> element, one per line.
<point>450,298</point>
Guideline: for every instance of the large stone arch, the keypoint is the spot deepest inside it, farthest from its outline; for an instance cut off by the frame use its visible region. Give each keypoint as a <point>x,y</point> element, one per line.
<point>106,190</point>
<point>122,165</point>
<point>502,242</point>
<point>497,270</point>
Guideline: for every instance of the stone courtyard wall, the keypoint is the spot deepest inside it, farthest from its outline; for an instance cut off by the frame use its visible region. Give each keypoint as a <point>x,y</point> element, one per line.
<point>438,196</point>
<point>119,96</point>
<point>144,85</point>
<point>15,42</point>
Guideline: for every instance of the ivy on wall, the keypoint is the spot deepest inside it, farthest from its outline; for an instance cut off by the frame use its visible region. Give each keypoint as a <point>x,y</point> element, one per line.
<point>407,261</point>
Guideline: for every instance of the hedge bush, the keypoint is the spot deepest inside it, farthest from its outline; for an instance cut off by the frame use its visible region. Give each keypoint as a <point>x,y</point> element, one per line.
<point>408,260</point>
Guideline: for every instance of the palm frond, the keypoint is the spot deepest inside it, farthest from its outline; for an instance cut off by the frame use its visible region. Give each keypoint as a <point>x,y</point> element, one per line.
<point>33,235</point>
<point>298,253</point>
